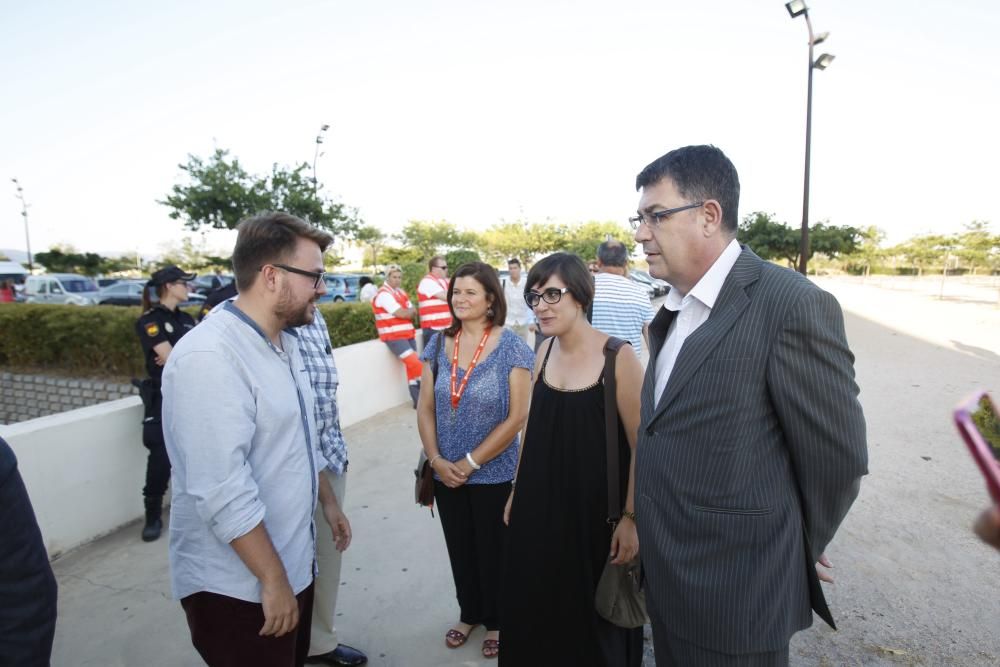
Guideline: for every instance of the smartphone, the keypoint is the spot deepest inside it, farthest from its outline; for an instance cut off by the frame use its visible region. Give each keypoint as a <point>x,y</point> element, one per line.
<point>978,420</point>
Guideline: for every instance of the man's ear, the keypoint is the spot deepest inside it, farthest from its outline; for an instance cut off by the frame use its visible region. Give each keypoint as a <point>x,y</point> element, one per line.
<point>711,213</point>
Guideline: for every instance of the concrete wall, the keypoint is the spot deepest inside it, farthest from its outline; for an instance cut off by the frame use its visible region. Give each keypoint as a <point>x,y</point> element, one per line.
<point>24,397</point>
<point>84,469</point>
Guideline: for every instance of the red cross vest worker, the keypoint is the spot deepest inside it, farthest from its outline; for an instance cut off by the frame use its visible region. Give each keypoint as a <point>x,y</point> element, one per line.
<point>432,296</point>
<point>394,321</point>
<point>160,326</point>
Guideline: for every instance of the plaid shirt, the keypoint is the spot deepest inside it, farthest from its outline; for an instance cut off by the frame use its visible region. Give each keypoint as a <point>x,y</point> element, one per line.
<point>317,353</point>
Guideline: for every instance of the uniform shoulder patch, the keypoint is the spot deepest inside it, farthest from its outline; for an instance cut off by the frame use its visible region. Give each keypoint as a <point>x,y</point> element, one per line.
<point>152,329</point>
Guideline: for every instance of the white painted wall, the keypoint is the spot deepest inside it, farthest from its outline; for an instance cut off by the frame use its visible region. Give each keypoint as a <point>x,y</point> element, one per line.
<point>84,469</point>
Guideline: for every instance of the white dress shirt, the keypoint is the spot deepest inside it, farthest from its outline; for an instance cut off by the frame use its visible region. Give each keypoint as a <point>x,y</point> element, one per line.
<point>694,307</point>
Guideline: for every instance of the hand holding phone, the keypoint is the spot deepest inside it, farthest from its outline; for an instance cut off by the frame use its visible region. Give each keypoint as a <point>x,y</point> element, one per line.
<point>978,420</point>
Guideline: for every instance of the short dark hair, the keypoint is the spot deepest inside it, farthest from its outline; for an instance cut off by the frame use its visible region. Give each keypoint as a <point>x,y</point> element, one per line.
<point>698,172</point>
<point>570,269</point>
<point>433,260</point>
<point>268,238</point>
<point>486,276</point>
<point>612,253</point>
<point>513,260</point>
<point>365,280</point>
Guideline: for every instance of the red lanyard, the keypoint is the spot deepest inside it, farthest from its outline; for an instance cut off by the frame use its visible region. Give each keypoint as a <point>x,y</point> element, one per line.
<point>456,396</point>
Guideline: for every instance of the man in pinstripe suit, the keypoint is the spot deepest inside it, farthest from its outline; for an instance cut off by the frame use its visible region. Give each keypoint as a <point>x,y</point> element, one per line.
<point>752,441</point>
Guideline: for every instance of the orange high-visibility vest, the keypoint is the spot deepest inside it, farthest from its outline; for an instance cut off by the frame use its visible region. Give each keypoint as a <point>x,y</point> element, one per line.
<point>434,313</point>
<point>388,325</point>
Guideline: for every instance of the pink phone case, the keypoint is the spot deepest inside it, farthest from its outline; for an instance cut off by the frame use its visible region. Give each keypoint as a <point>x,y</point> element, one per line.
<point>978,446</point>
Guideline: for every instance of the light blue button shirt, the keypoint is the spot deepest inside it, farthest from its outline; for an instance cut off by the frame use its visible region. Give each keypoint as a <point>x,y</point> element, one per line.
<point>243,450</point>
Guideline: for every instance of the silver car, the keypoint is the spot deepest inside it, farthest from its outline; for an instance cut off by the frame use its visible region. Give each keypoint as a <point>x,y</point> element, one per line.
<point>60,288</point>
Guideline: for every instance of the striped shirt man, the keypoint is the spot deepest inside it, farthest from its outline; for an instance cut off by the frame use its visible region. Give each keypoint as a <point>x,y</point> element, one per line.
<point>621,308</point>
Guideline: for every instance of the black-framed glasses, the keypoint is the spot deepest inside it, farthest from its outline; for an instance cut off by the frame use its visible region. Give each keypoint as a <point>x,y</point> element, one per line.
<point>317,276</point>
<point>654,218</point>
<point>551,295</point>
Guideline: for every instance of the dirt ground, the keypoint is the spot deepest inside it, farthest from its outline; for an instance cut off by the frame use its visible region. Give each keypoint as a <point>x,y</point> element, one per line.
<point>913,585</point>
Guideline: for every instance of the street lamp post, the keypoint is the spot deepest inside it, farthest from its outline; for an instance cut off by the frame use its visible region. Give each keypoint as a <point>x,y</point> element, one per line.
<point>319,140</point>
<point>796,8</point>
<point>24,214</point>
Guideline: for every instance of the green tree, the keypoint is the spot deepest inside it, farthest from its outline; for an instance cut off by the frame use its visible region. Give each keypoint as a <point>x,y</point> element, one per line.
<point>769,238</point>
<point>923,252</point>
<point>583,238</point>
<point>374,239</point>
<point>520,239</point>
<point>976,245</point>
<point>432,237</point>
<point>219,193</point>
<point>66,260</point>
<point>833,240</point>
<point>457,258</point>
<point>869,251</point>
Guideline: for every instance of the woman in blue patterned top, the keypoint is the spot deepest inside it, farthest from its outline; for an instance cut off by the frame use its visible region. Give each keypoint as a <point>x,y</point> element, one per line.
<point>473,403</point>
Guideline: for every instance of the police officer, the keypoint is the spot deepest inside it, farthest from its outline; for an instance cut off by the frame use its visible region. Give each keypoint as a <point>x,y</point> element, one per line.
<point>159,328</point>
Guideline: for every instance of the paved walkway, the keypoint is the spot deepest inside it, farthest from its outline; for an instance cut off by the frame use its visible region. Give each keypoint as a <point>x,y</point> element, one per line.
<point>913,586</point>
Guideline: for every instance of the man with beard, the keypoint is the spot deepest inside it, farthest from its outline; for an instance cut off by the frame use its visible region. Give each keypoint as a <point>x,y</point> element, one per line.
<point>241,436</point>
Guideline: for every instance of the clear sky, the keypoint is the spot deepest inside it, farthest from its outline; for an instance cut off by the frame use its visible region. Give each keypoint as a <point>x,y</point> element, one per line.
<point>477,111</point>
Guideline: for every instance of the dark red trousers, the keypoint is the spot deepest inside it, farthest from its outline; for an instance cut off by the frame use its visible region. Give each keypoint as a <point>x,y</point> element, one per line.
<point>225,631</point>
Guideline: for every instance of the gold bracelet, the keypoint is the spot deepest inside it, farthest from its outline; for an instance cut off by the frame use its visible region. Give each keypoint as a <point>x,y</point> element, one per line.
<point>628,515</point>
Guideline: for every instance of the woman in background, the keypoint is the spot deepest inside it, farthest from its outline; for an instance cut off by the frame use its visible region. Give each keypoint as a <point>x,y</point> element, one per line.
<point>473,403</point>
<point>160,326</point>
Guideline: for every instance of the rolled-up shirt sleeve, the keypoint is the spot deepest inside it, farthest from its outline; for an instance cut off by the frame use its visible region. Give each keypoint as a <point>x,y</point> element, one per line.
<point>209,427</point>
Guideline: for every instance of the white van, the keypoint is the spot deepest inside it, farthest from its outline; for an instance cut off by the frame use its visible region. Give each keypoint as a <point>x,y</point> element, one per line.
<point>60,288</point>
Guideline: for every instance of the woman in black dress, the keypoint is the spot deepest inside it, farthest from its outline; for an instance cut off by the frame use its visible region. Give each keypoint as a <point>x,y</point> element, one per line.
<point>160,326</point>
<point>559,538</point>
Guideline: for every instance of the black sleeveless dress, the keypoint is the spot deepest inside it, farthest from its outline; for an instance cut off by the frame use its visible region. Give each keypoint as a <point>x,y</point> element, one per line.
<point>559,538</point>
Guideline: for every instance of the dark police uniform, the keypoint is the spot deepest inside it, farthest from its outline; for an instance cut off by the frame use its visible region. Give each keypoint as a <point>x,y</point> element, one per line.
<point>157,325</point>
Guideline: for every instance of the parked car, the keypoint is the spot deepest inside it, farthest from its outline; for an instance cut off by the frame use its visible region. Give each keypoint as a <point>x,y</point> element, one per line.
<point>203,284</point>
<point>106,282</point>
<point>662,286</point>
<point>60,288</point>
<point>129,293</point>
<point>648,282</point>
<point>341,287</point>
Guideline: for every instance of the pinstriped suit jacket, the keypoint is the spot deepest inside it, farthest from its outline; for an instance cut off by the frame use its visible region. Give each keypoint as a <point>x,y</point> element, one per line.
<point>748,463</point>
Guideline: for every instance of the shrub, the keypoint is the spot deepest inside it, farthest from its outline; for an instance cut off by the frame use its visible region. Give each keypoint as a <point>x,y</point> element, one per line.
<point>101,340</point>
<point>457,258</point>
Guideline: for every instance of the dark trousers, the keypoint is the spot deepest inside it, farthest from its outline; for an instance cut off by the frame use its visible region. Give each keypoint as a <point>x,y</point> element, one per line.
<point>158,464</point>
<point>225,630</point>
<point>672,651</point>
<point>27,586</point>
<point>472,520</point>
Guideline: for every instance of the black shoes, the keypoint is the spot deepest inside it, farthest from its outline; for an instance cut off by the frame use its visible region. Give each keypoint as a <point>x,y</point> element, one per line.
<point>342,656</point>
<point>154,525</point>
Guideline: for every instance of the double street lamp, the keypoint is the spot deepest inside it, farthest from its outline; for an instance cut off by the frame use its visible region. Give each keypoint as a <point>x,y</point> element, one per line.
<point>798,8</point>
<point>24,214</point>
<point>319,140</point>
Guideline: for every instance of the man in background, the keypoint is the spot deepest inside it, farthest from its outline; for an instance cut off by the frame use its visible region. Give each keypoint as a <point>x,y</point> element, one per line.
<point>621,306</point>
<point>520,318</point>
<point>432,298</point>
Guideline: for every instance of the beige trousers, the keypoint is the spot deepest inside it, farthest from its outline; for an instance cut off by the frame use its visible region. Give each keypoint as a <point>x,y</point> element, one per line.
<point>327,582</point>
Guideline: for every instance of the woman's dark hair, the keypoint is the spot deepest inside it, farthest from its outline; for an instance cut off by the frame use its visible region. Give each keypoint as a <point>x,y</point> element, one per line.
<point>570,269</point>
<point>486,276</point>
<point>147,301</point>
<point>365,280</point>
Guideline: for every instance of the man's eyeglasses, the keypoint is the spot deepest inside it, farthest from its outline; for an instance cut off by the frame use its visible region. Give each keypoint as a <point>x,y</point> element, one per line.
<point>551,295</point>
<point>654,218</point>
<point>317,276</point>
<point>442,266</point>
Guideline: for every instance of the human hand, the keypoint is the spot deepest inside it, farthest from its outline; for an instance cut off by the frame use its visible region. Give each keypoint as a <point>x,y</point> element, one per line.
<point>506,507</point>
<point>532,328</point>
<point>988,527</point>
<point>624,542</point>
<point>339,524</point>
<point>281,609</point>
<point>158,360</point>
<point>823,574</point>
<point>450,474</point>
<point>463,466</point>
